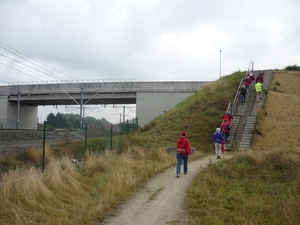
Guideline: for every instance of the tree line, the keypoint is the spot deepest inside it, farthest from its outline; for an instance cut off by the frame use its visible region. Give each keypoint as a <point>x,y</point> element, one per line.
<point>71,121</point>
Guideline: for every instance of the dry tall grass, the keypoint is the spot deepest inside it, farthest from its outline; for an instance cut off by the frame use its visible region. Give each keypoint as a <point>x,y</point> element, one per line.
<point>67,194</point>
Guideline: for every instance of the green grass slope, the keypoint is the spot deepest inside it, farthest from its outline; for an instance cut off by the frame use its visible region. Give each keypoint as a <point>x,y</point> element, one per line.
<point>199,115</point>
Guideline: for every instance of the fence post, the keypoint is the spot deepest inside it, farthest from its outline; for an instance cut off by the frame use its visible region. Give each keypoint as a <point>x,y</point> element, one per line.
<point>44,142</point>
<point>111,133</point>
<point>132,127</point>
<point>85,137</point>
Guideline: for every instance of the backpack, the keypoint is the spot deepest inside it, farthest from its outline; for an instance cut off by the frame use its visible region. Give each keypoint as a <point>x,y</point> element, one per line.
<point>243,91</point>
<point>227,126</point>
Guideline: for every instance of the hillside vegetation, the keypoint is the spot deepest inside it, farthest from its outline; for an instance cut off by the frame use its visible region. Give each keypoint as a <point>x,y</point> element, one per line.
<point>260,185</point>
<point>236,191</point>
<point>199,115</point>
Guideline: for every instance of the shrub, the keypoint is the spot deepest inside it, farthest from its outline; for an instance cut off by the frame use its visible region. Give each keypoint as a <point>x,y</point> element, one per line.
<point>293,67</point>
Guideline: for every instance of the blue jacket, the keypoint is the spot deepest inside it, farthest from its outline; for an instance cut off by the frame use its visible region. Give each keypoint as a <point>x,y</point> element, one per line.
<point>218,138</point>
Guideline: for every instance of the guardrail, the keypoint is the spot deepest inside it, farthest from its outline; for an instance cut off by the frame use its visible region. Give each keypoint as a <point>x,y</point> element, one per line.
<point>72,81</point>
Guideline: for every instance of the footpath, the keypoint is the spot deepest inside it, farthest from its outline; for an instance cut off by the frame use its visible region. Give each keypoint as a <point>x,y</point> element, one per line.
<point>160,200</point>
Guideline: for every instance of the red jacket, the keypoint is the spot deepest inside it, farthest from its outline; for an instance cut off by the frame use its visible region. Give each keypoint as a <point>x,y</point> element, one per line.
<point>247,81</point>
<point>184,143</point>
<point>223,126</point>
<point>227,116</point>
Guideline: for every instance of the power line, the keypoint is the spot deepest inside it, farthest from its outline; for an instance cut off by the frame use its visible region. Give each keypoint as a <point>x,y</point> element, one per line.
<point>26,65</point>
<point>16,54</point>
<point>20,71</point>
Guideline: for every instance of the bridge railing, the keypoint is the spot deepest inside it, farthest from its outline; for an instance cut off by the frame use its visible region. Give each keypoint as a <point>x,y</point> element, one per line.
<point>71,81</point>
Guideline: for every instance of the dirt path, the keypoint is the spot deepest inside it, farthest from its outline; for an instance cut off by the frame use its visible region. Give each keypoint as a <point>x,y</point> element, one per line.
<point>160,200</point>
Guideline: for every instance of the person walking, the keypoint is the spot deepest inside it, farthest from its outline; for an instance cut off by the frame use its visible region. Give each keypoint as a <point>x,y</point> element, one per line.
<point>227,116</point>
<point>260,78</point>
<point>183,153</point>
<point>252,79</point>
<point>247,83</point>
<point>243,92</point>
<point>218,139</point>
<point>258,89</point>
<point>226,128</point>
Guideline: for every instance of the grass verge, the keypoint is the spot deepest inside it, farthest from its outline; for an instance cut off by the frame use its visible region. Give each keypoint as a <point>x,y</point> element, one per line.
<point>251,188</point>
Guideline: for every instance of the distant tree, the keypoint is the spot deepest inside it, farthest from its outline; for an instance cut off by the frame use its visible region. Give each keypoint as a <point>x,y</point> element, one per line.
<point>58,121</point>
<point>50,121</point>
<point>61,121</point>
<point>71,121</point>
<point>293,67</point>
<point>89,120</point>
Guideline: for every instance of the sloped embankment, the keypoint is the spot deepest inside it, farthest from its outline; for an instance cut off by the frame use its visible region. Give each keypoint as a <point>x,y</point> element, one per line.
<point>278,122</point>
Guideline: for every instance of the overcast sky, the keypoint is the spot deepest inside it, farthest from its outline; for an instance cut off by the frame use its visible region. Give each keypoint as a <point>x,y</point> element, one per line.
<point>144,40</point>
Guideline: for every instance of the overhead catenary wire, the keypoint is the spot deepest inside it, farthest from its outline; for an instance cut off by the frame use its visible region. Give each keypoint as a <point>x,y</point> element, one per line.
<point>19,54</point>
<point>54,76</point>
<point>20,71</point>
<point>48,73</point>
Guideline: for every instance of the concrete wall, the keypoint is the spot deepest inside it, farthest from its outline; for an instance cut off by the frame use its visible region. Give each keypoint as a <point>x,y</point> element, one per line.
<point>8,115</point>
<point>151,105</point>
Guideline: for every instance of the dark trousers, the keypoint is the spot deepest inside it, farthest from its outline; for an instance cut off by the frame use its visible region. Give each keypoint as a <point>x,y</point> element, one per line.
<point>226,136</point>
<point>180,158</point>
<point>243,98</point>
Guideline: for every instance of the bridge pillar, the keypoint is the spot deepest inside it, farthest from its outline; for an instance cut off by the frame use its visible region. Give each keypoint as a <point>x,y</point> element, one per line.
<point>81,104</point>
<point>152,105</point>
<point>28,115</point>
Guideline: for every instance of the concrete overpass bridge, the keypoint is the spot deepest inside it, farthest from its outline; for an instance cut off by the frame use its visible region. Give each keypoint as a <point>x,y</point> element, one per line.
<point>19,101</point>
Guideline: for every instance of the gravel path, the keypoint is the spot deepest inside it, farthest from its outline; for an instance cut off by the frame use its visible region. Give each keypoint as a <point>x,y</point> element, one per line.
<point>160,200</point>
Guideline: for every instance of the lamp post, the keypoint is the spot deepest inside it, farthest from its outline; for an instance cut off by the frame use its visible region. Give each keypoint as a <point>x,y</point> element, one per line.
<point>220,63</point>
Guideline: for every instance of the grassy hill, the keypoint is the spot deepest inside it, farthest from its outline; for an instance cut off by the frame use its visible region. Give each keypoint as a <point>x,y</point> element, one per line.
<point>260,185</point>
<point>199,115</point>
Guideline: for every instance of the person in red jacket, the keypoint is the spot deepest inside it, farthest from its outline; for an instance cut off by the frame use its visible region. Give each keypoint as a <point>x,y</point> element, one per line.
<point>260,78</point>
<point>226,128</point>
<point>247,83</point>
<point>227,116</point>
<point>183,153</point>
<point>252,79</point>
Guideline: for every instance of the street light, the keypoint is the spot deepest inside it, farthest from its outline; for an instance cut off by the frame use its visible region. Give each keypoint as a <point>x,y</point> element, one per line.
<point>220,63</point>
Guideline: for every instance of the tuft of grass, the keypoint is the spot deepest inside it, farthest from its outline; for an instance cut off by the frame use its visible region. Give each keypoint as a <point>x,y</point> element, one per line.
<point>156,193</point>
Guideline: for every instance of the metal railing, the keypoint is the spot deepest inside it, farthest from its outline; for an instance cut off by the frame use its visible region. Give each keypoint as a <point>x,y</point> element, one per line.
<point>72,81</point>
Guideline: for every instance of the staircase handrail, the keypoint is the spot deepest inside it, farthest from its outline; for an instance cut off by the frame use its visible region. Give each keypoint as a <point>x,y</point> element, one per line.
<point>236,100</point>
<point>251,64</point>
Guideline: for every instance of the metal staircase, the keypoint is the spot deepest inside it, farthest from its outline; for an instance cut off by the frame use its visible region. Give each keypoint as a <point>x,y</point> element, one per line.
<point>244,116</point>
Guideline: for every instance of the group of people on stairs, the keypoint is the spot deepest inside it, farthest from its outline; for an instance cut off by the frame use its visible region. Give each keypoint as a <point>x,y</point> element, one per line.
<point>222,133</point>
<point>248,84</point>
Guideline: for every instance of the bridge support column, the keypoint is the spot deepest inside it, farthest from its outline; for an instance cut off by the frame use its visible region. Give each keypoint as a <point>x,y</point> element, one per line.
<point>81,104</point>
<point>18,109</point>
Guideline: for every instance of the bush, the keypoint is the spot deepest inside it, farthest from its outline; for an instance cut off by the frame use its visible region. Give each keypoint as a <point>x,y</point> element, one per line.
<point>293,67</point>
